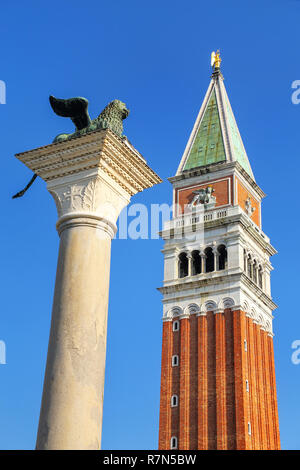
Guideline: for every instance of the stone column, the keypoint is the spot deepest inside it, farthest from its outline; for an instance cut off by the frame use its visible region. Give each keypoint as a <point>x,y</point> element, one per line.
<point>203,258</point>
<point>91,178</point>
<point>216,258</point>
<point>190,264</point>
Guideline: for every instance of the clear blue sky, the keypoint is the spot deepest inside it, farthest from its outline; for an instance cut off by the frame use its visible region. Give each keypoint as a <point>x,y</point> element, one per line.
<point>155,57</point>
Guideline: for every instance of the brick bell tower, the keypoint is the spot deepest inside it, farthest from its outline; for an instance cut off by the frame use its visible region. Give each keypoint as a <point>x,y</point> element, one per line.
<point>218,386</point>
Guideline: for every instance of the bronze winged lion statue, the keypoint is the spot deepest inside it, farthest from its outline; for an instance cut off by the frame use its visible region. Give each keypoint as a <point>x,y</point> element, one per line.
<point>77,110</point>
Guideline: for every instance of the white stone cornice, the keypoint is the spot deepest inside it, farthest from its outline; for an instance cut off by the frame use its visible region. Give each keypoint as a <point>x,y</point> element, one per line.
<point>91,178</point>
<point>217,279</point>
<point>165,319</point>
<point>233,217</point>
<point>217,169</point>
<point>100,149</point>
<point>185,308</point>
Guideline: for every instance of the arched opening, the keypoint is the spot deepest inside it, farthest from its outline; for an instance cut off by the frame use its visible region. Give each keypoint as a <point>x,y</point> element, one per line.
<point>260,277</point>
<point>175,360</point>
<point>254,272</point>
<point>196,263</point>
<point>209,260</point>
<point>222,257</point>
<point>173,443</point>
<point>174,400</point>
<point>249,266</point>
<point>176,325</point>
<point>245,261</point>
<point>183,267</point>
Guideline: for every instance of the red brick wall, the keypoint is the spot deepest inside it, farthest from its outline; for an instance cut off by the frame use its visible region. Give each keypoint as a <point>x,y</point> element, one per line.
<point>210,381</point>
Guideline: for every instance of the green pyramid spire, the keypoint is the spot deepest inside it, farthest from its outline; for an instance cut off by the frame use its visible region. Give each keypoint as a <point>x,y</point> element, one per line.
<point>215,136</point>
<point>238,147</point>
<point>208,146</point>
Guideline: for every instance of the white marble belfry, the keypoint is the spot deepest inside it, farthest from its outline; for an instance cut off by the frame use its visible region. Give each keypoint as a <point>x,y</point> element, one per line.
<point>91,178</point>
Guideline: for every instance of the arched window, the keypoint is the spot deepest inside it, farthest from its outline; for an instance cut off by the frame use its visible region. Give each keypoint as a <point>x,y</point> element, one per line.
<point>245,261</point>
<point>209,260</point>
<point>254,272</point>
<point>260,277</point>
<point>176,325</point>
<point>183,265</point>
<point>174,401</point>
<point>249,266</point>
<point>196,263</point>
<point>173,442</point>
<point>222,257</point>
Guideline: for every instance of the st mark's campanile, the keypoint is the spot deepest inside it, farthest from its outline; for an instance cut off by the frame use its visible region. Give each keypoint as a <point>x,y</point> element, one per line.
<point>218,387</point>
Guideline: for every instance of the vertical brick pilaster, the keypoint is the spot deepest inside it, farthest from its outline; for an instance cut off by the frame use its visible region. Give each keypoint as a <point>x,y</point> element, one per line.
<point>193,406</point>
<point>252,373</point>
<point>221,381</point>
<point>243,441</point>
<point>264,390</point>
<point>260,385</point>
<point>184,394</point>
<point>268,404</point>
<point>211,383</point>
<point>274,406</point>
<point>202,383</point>
<point>230,389</point>
<point>166,387</point>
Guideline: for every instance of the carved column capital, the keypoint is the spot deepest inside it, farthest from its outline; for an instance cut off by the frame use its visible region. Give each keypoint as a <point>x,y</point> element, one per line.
<point>89,198</point>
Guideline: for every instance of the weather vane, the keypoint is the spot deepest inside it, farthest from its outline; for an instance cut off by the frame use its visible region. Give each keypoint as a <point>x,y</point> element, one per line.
<point>215,59</point>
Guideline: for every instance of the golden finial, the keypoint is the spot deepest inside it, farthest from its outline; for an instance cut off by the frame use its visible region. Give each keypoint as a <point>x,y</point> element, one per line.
<point>215,59</point>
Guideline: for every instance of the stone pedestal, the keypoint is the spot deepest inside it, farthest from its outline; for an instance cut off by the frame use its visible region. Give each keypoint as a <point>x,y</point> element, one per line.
<point>91,178</point>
